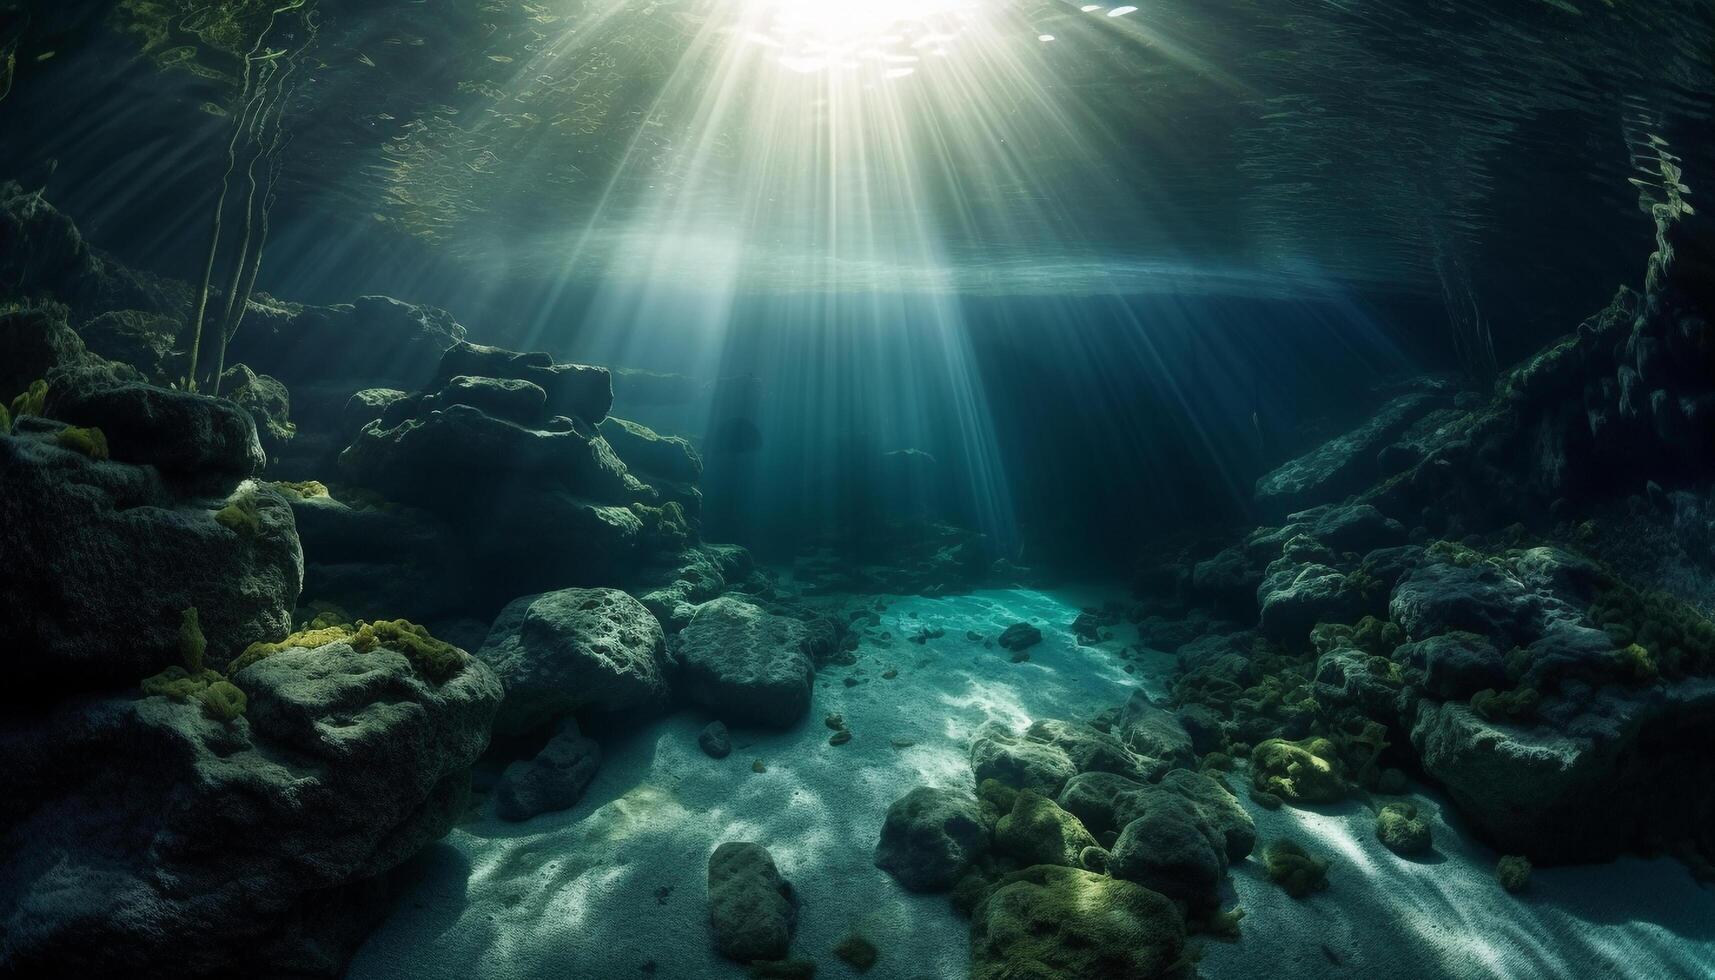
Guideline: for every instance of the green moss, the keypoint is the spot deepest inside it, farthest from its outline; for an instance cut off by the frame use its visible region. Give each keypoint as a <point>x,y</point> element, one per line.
<point>179,684</point>
<point>304,639</point>
<point>192,643</point>
<point>91,441</point>
<point>1513,872</point>
<point>858,952</point>
<point>5,421</point>
<point>241,515</point>
<point>997,798</point>
<point>1676,639</point>
<point>435,659</point>
<point>302,489</point>
<point>1037,831</point>
<point>32,400</point>
<point>1306,771</point>
<point>322,615</point>
<point>222,700</point>
<point>1294,869</point>
<point>1516,705</point>
<point>1401,830</point>
<point>1637,663</point>
<point>1051,923</point>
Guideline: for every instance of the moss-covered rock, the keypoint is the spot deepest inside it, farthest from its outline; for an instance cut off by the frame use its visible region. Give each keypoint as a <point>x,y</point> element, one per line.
<point>1054,923</point>
<point>1513,872</point>
<point>931,837</point>
<point>1401,830</point>
<point>1305,771</point>
<point>1294,869</point>
<point>1037,831</point>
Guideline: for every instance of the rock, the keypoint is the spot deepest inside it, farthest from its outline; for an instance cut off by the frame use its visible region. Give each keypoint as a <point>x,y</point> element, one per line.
<point>666,457</point>
<point>1091,797</point>
<point>432,459</point>
<point>1457,664</point>
<point>1205,727</point>
<point>379,341</point>
<point>746,664</point>
<point>714,740</point>
<point>1019,761</point>
<point>1442,596</point>
<point>1019,637</point>
<point>1222,817</point>
<point>210,443</point>
<point>575,390</point>
<point>366,406</point>
<point>146,341</point>
<point>135,827</point>
<point>554,780</point>
<point>931,837</point>
<point>1401,830</point>
<point>1166,850</point>
<point>1037,831</point>
<point>1341,466</point>
<point>566,651</point>
<point>382,561</point>
<point>105,558</point>
<point>1052,923</point>
<point>504,398</point>
<point>267,401</point>
<point>1154,732</point>
<point>34,340</point>
<point>1294,597</point>
<point>1350,527</point>
<point>1228,582</point>
<point>1092,750</point>
<point>1307,771</point>
<point>752,910</point>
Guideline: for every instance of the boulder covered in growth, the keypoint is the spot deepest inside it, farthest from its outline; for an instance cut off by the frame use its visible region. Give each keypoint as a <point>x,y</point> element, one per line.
<point>931,837</point>
<point>134,829</point>
<point>1057,923</point>
<point>105,556</point>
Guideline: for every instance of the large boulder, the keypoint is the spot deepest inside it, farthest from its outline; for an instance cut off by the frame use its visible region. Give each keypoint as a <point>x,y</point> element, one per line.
<point>1295,596</point>
<point>554,779</point>
<point>1165,849</point>
<point>105,557</point>
<point>1477,598</point>
<point>565,651</point>
<point>198,439</point>
<point>931,837</point>
<point>752,910</point>
<point>1154,732</point>
<point>142,837</point>
<point>644,450</point>
<point>749,666</point>
<point>576,390</point>
<point>1054,923</point>
<point>432,459</point>
<point>1037,831</point>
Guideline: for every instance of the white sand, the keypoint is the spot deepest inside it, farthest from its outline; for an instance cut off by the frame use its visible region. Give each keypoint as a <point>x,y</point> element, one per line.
<point>616,883</point>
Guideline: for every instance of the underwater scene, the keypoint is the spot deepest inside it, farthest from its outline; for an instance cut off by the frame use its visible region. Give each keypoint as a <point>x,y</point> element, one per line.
<point>899,489</point>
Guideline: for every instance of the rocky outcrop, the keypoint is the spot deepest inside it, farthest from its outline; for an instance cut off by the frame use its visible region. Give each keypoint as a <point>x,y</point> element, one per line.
<point>575,649</point>
<point>749,666</point>
<point>144,838</point>
<point>106,556</point>
<point>1344,464</point>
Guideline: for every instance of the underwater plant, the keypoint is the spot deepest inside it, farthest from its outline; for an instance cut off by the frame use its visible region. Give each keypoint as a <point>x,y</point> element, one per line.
<point>1400,828</point>
<point>266,88</point>
<point>222,700</point>
<point>1305,771</point>
<point>241,515</point>
<point>1294,869</point>
<point>1513,872</point>
<point>32,400</point>
<point>89,441</point>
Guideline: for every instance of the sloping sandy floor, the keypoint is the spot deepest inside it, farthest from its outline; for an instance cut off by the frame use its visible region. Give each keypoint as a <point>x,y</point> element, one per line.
<point>614,888</point>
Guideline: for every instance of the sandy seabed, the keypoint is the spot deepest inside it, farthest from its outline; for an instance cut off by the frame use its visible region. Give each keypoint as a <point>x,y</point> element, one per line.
<point>614,888</point>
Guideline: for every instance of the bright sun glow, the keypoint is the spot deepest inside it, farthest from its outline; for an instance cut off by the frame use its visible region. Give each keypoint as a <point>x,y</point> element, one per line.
<point>888,37</point>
